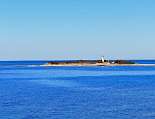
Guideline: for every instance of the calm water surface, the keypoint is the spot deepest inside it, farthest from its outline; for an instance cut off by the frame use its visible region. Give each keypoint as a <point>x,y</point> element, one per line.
<point>28,91</point>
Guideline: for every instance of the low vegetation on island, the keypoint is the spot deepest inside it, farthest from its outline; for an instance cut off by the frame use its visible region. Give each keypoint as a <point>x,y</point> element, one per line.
<point>101,62</point>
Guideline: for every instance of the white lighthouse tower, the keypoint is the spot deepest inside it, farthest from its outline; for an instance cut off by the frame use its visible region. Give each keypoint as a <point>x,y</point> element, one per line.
<point>102,58</point>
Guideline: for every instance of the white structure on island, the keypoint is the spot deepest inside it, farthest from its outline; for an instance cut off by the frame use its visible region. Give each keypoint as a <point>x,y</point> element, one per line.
<point>102,58</point>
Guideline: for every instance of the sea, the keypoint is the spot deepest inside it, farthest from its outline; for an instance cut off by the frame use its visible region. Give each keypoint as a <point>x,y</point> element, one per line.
<point>31,91</point>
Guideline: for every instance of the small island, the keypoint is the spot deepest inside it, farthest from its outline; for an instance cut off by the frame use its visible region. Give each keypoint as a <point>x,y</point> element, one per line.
<point>101,62</point>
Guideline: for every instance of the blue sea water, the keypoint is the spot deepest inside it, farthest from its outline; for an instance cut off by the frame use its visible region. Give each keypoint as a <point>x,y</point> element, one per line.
<point>29,91</point>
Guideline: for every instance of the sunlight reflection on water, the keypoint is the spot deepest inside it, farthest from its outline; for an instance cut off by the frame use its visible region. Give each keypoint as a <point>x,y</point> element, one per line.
<point>57,83</point>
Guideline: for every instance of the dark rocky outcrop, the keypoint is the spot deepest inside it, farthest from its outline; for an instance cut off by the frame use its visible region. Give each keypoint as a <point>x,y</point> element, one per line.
<point>75,62</point>
<point>123,62</point>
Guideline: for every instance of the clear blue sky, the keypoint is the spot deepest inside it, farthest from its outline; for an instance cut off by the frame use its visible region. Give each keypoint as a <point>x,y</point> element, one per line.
<point>77,29</point>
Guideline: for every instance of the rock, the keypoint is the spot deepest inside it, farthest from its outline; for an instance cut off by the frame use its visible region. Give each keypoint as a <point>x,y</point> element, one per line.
<point>123,62</point>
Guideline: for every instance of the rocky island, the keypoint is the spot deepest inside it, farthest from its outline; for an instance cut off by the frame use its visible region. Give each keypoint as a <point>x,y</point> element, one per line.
<point>101,62</point>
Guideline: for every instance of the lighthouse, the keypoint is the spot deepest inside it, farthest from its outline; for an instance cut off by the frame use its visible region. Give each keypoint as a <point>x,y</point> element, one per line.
<point>102,58</point>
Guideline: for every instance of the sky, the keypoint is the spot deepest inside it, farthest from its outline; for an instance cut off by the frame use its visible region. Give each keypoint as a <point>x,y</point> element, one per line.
<point>77,29</point>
